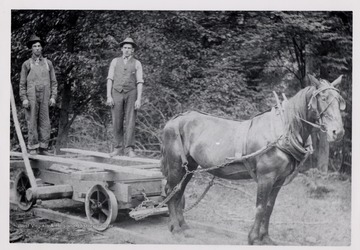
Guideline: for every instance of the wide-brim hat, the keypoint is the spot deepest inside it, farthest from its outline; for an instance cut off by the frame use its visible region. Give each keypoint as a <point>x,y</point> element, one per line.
<point>128,40</point>
<point>34,39</point>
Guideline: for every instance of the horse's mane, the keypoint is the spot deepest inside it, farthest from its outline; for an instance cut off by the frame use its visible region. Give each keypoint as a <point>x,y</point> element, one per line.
<point>207,114</point>
<point>297,106</point>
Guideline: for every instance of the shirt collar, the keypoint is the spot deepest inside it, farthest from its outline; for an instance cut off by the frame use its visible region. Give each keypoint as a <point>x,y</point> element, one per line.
<point>34,57</point>
<point>127,58</point>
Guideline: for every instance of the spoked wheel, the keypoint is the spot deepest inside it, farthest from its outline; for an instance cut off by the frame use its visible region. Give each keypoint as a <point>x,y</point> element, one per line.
<point>21,184</point>
<point>101,207</point>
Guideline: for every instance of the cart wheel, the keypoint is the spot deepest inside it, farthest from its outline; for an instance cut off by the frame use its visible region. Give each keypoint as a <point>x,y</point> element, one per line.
<point>101,207</point>
<point>21,184</point>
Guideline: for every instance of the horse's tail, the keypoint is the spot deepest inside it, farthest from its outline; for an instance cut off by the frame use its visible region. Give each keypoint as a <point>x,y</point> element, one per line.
<point>165,147</point>
<point>164,169</point>
<point>172,146</point>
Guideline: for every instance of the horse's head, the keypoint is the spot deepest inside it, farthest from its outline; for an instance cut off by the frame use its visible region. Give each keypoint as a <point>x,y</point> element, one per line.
<point>326,102</point>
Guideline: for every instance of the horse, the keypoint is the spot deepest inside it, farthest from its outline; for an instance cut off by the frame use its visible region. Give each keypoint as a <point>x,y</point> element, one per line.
<point>275,138</point>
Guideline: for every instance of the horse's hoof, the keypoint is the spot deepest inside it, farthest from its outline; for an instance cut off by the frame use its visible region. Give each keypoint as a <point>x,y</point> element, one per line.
<point>176,229</point>
<point>262,242</point>
<point>266,240</point>
<point>256,242</point>
<point>185,226</point>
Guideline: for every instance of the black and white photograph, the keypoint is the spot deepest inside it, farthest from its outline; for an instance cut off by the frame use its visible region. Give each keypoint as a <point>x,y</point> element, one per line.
<point>184,126</point>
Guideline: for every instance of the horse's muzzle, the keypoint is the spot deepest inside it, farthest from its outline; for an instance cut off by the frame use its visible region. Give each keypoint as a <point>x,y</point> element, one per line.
<point>336,135</point>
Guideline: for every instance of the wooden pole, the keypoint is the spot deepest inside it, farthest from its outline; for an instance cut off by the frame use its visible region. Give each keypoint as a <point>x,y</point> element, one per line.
<point>28,168</point>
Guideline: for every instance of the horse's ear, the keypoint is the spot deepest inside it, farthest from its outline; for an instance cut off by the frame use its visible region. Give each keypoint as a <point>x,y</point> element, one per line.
<point>314,81</point>
<point>337,81</point>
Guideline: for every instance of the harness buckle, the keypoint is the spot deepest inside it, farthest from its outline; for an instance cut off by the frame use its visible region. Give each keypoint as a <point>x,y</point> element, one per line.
<point>322,128</point>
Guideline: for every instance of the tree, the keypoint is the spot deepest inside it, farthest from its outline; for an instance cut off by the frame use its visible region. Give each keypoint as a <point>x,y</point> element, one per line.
<point>222,62</point>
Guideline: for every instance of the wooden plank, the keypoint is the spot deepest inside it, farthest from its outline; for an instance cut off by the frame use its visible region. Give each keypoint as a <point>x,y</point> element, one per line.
<point>16,164</point>
<point>139,214</point>
<point>23,153</point>
<point>123,194</point>
<point>142,172</point>
<point>108,176</point>
<point>119,162</point>
<point>152,187</point>
<point>62,168</point>
<point>73,167</point>
<point>45,165</point>
<point>55,178</point>
<point>105,155</point>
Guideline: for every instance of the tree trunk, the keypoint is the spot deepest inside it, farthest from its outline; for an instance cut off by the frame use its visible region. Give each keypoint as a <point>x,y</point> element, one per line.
<point>64,123</point>
<point>63,131</point>
<point>323,153</point>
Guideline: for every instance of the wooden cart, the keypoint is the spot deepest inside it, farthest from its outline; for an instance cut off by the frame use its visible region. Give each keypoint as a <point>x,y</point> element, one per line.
<point>105,185</point>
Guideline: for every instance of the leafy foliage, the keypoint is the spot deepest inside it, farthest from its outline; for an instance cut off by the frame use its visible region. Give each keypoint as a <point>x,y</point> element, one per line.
<point>222,62</point>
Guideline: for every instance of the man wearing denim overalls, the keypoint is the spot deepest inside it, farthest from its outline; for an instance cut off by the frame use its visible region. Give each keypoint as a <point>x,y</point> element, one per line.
<point>38,90</point>
<point>124,90</point>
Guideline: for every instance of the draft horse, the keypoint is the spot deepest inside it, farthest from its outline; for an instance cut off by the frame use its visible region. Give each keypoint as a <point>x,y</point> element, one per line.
<point>194,139</point>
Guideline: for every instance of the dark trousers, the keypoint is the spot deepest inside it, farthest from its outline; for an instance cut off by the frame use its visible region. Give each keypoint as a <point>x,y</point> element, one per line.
<point>123,116</point>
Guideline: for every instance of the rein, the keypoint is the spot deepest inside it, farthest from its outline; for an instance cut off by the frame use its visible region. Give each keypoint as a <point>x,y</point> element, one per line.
<point>320,126</point>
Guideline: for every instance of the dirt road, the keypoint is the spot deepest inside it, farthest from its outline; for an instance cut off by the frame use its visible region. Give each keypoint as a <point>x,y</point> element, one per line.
<point>314,210</point>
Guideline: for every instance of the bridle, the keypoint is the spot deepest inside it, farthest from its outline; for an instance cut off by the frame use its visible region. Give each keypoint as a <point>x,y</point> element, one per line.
<point>320,125</point>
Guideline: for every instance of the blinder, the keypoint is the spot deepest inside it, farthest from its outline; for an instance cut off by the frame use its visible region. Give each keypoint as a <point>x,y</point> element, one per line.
<point>313,105</point>
<point>322,127</point>
<point>342,103</point>
<point>313,100</point>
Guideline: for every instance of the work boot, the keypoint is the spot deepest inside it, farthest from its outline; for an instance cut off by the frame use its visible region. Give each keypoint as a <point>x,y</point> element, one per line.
<point>131,153</point>
<point>33,152</point>
<point>44,151</point>
<point>117,151</point>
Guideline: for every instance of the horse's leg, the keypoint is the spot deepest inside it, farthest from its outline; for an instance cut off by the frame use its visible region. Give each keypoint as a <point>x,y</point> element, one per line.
<point>265,184</point>
<point>174,177</point>
<point>192,165</point>
<point>261,201</point>
<point>264,228</point>
<point>181,203</point>
<point>175,204</point>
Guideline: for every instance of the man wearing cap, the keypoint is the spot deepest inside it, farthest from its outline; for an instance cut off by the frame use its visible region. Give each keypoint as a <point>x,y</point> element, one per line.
<point>124,90</point>
<point>38,90</point>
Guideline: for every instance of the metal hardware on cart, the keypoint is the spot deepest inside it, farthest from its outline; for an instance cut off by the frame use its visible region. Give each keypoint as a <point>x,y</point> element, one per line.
<point>146,203</point>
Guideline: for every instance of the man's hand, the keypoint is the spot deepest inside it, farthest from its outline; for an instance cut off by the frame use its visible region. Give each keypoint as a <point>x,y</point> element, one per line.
<point>110,102</point>
<point>52,102</point>
<point>137,104</point>
<point>26,104</point>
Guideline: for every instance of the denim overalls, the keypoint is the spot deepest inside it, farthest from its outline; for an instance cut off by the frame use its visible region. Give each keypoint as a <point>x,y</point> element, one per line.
<point>38,94</point>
